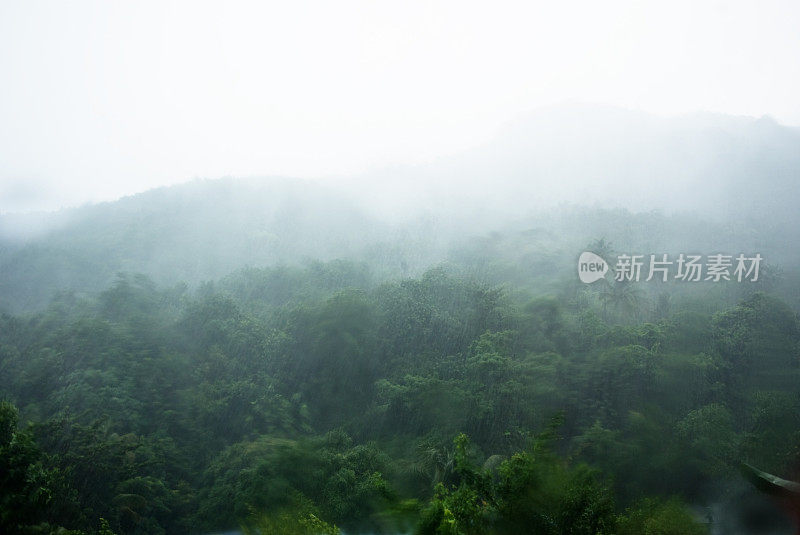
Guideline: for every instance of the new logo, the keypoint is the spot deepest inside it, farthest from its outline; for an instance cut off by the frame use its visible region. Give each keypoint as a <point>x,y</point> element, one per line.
<point>591,267</point>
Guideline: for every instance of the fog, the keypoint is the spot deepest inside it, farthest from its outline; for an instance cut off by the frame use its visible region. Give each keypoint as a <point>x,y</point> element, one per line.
<point>102,100</point>
<point>433,267</point>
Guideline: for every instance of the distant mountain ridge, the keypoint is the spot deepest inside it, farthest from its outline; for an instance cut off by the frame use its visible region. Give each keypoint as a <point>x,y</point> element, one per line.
<point>740,175</point>
<point>198,231</point>
<point>717,165</point>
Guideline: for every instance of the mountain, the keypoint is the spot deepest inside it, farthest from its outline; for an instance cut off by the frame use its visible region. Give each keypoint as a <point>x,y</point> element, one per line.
<point>193,232</point>
<point>722,167</point>
<point>717,182</point>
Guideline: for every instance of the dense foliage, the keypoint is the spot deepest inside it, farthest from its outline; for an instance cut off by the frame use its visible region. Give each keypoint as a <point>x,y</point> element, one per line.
<point>309,400</point>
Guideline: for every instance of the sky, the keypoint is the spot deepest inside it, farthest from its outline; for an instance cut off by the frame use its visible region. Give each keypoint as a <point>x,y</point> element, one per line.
<point>104,99</point>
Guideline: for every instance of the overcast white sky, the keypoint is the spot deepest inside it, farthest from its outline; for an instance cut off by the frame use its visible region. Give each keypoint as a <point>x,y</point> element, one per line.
<point>101,99</point>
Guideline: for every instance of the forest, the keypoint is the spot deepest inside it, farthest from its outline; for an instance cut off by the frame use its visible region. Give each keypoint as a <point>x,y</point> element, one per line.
<point>324,397</point>
<point>413,352</point>
<point>399,268</point>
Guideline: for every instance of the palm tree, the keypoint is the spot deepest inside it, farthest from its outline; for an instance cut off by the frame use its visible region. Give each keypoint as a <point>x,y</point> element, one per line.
<point>622,298</point>
<point>434,462</point>
<point>602,248</point>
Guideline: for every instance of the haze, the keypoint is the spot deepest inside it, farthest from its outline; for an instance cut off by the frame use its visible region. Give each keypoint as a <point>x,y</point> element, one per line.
<point>100,100</point>
<point>316,268</point>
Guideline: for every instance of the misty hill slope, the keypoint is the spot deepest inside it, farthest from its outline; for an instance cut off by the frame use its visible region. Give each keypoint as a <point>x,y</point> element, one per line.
<point>193,232</point>
<point>719,166</point>
<point>736,177</point>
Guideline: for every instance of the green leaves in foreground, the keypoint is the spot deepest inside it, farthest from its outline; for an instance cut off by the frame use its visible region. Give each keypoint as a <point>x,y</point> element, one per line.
<point>303,519</point>
<point>535,491</point>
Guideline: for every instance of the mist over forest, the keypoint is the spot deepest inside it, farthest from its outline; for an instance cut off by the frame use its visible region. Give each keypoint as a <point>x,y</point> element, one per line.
<point>410,350</point>
<point>555,180</point>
